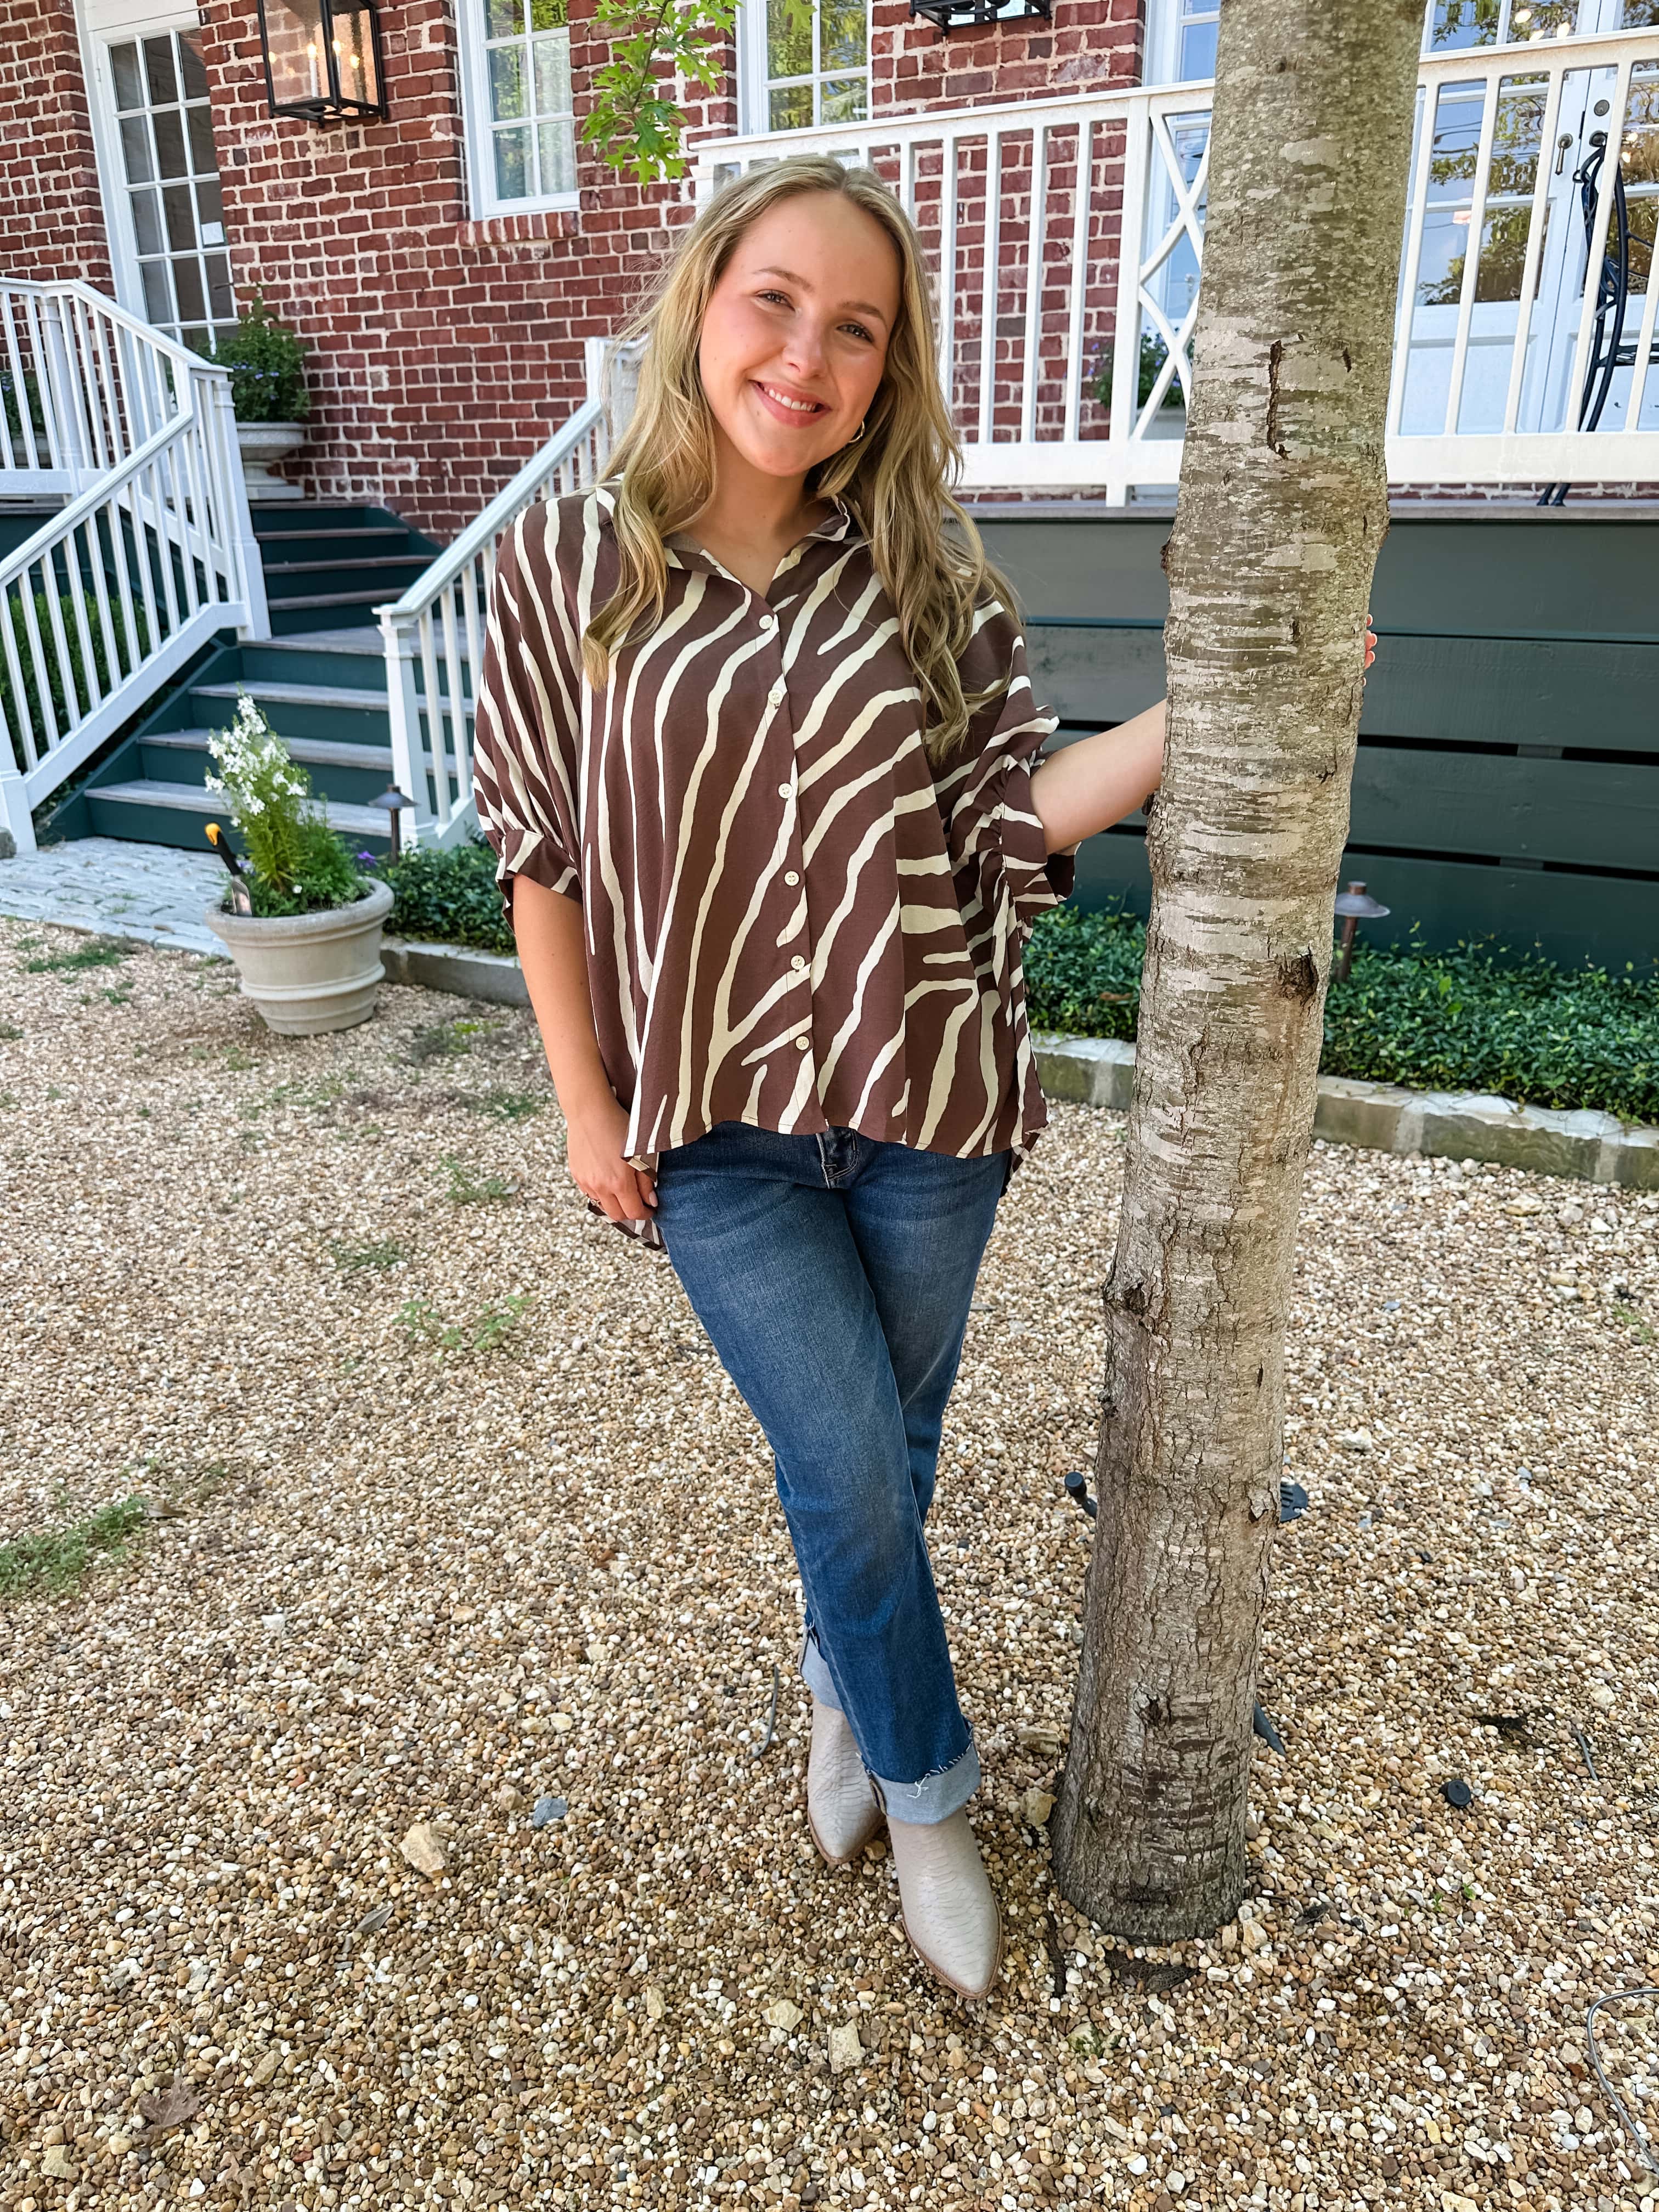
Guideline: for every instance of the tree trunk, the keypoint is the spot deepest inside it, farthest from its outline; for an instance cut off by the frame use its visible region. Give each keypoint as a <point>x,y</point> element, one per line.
<point>1284,503</point>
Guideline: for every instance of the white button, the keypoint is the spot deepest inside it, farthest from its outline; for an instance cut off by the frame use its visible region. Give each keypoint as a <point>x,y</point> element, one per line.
<point>801,1043</point>
<point>776,695</point>
<point>798,962</point>
<point>768,622</point>
<point>784,790</point>
<point>791,877</point>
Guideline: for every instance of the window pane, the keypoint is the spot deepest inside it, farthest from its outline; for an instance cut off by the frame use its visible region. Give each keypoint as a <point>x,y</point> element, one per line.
<point>558,153</point>
<point>788,42</point>
<point>513,165</point>
<point>187,282</point>
<point>790,110</point>
<point>202,159</point>
<point>506,18</point>
<point>170,156</point>
<point>1638,14</point>
<point>147,222</point>
<point>506,82</point>
<point>844,100</point>
<point>843,39</point>
<point>1464,23</point>
<point>1543,19</point>
<point>158,71</point>
<point>1197,57</point>
<point>190,66</point>
<point>222,300</point>
<point>553,75</point>
<point>128,86</point>
<point>210,203</point>
<point>549,15</point>
<point>181,218</point>
<point>135,149</point>
<point>158,300</point>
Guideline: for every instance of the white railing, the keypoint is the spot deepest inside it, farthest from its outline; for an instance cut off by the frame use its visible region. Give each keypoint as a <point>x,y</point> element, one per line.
<point>435,635</point>
<point>1046,219</point>
<point>152,554</point>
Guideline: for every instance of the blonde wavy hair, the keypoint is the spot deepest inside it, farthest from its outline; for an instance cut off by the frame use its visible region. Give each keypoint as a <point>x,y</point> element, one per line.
<point>897,479</point>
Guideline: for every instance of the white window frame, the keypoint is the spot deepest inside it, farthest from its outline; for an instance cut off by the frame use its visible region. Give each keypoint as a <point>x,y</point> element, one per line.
<point>472,25</point>
<point>1163,19</point>
<point>753,105</point>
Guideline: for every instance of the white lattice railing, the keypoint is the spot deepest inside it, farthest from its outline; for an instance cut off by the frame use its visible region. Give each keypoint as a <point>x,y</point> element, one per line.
<point>435,635</point>
<point>1042,217</point>
<point>152,554</point>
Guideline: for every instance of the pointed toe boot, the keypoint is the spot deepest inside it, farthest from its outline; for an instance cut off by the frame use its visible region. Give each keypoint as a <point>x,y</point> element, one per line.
<point>950,1913</point>
<point>841,1808</point>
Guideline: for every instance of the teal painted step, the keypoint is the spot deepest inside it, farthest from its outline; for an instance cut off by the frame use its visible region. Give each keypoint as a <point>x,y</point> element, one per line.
<point>326,565</point>
<point>319,680</point>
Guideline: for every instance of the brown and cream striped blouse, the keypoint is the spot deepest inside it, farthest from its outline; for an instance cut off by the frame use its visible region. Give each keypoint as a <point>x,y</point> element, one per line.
<point>792,920</point>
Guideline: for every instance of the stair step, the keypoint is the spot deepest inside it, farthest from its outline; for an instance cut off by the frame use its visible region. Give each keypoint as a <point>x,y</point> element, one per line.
<point>192,799</point>
<point>294,694</point>
<point>284,606</point>
<point>315,752</point>
<point>370,561</point>
<point>363,643</point>
<point>356,536</point>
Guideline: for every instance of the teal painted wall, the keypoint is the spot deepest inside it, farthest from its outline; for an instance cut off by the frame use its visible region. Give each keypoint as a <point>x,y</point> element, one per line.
<point>1508,776</point>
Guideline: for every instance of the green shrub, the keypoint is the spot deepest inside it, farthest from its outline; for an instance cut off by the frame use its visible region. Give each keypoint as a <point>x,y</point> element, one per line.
<point>450,896</point>
<point>1474,1018</point>
<point>30,400</point>
<point>87,696</point>
<point>266,361</point>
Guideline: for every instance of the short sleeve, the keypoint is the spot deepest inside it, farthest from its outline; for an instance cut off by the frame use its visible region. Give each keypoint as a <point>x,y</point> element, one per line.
<point>525,756</point>
<point>991,824</point>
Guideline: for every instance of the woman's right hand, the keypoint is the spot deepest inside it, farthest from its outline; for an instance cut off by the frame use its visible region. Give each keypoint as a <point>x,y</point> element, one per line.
<point>598,1167</point>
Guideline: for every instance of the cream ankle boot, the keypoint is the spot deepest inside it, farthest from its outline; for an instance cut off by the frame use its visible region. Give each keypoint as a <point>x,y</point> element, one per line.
<point>950,1913</point>
<point>841,1808</point>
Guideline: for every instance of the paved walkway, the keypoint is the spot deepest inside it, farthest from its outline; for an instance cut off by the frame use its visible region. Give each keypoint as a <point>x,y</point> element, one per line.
<point>119,888</point>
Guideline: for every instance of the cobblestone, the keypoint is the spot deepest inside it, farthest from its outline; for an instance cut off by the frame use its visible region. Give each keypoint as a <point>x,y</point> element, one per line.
<point>116,886</point>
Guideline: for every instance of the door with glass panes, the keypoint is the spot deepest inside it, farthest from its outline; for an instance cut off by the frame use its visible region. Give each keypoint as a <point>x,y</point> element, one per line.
<point>165,201</point>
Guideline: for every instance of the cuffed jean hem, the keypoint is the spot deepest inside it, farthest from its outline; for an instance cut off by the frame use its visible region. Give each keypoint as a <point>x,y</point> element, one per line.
<point>919,1804</point>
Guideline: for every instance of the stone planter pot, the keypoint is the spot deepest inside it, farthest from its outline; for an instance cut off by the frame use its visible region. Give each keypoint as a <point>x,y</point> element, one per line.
<point>309,972</point>
<point>262,443</point>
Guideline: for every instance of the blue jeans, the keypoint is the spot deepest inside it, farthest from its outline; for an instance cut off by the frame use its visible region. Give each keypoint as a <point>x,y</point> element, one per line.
<point>834,1275</point>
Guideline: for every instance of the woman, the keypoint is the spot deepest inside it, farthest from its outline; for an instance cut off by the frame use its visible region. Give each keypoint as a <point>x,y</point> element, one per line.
<point>758,754</point>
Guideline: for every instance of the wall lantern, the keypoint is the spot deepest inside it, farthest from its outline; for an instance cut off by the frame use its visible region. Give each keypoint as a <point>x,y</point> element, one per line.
<point>323,59</point>
<point>976,14</point>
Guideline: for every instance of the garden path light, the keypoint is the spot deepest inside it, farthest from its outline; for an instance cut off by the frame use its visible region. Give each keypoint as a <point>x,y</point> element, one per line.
<point>1354,905</point>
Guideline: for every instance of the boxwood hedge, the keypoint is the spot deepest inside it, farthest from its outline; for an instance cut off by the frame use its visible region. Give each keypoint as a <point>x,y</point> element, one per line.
<point>1479,1017</point>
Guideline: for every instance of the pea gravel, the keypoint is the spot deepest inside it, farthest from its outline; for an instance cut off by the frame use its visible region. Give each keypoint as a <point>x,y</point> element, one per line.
<point>453,1526</point>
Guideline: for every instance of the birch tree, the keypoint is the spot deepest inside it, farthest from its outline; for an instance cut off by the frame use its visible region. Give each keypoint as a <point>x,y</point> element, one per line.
<point>1283,505</point>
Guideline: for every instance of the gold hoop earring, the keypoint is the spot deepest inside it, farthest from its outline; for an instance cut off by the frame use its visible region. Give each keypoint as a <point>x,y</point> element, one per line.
<point>856,435</point>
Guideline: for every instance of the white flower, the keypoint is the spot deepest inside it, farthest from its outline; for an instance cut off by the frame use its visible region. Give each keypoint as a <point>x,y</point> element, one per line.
<point>251,804</point>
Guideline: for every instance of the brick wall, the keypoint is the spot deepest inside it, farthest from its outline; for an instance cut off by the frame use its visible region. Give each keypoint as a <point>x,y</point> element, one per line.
<point>53,222</point>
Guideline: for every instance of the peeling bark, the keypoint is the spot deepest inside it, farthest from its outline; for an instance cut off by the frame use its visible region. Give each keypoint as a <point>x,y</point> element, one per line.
<point>1283,505</point>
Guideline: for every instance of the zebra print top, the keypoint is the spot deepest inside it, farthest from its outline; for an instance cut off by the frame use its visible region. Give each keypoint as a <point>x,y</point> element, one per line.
<point>791,918</point>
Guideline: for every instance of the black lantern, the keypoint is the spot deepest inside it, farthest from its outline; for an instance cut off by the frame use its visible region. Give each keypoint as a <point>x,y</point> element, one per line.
<point>948,15</point>
<point>323,59</point>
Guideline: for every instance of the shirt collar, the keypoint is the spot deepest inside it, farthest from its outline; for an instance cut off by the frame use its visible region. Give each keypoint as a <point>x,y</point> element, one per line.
<point>841,524</point>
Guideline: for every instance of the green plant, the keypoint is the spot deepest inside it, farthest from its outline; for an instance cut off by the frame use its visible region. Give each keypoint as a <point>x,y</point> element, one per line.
<point>298,863</point>
<point>441,1041</point>
<point>507,1105</point>
<point>488,1329</point>
<point>632,122</point>
<point>101,952</point>
<point>32,403</point>
<point>266,361</point>
<point>450,895</point>
<point>1476,1017</point>
<point>57,1559</point>
<point>466,1189</point>
<point>1153,355</point>
<point>353,1259</point>
<point>113,659</point>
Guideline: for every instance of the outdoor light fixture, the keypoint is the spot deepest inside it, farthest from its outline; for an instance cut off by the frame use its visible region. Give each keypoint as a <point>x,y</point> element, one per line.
<point>1354,906</point>
<point>394,801</point>
<point>976,14</point>
<point>323,59</point>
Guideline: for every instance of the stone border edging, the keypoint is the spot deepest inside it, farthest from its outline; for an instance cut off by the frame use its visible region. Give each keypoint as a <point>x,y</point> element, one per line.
<point>1461,1125</point>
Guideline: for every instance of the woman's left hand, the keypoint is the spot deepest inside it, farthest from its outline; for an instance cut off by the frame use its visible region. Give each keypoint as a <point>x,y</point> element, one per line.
<point>1371,642</point>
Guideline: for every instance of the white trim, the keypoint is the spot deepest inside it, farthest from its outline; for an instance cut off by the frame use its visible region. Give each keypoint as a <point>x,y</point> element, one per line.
<point>753,106</point>
<point>473,79</point>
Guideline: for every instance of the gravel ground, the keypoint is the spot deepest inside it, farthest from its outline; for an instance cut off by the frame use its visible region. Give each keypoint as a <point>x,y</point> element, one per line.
<point>452,1513</point>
